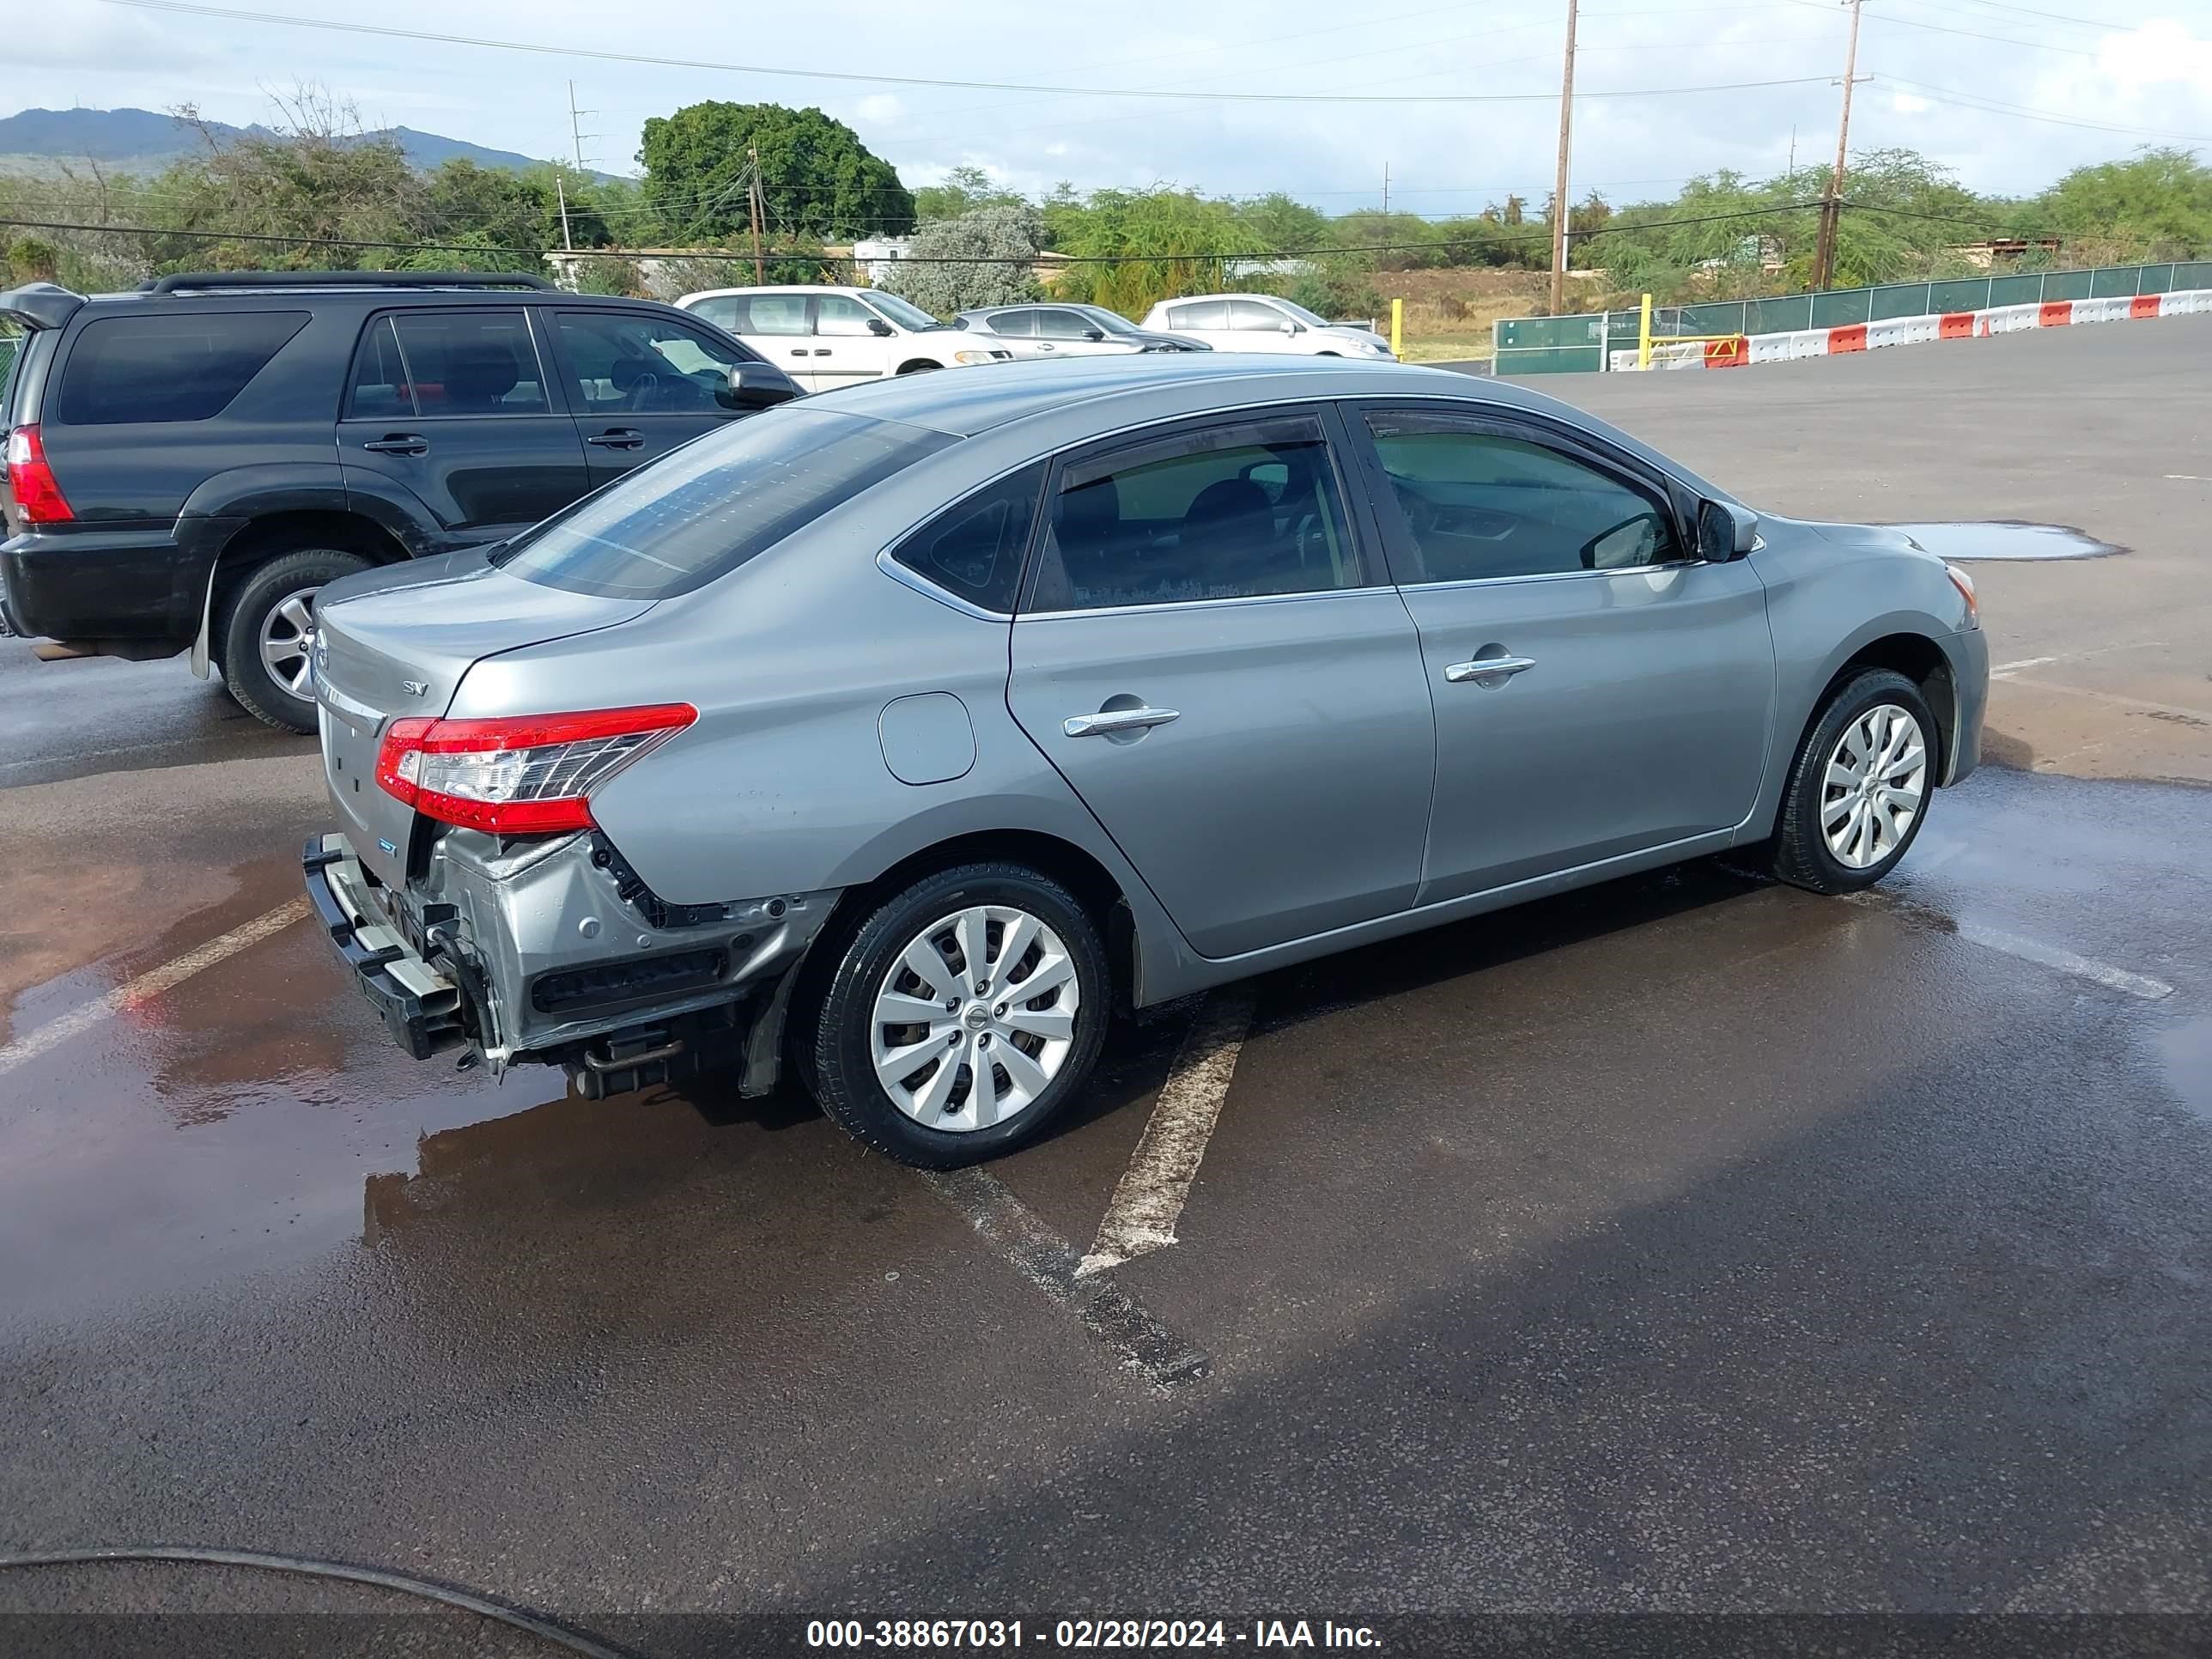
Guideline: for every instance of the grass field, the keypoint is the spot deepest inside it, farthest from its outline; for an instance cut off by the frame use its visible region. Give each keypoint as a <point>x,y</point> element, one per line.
<point>1448,313</point>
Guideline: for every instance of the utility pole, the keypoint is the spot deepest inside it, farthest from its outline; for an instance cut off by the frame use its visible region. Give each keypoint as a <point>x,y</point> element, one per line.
<point>1792,173</point>
<point>574,116</point>
<point>1824,253</point>
<point>753,209</point>
<point>1386,195</point>
<point>561,195</point>
<point>1559,190</point>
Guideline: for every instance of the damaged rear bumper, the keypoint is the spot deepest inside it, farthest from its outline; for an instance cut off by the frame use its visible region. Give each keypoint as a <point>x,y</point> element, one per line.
<point>554,951</point>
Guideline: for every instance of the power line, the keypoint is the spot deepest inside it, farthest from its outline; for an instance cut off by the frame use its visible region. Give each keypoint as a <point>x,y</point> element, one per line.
<point>183,8</point>
<point>1156,255</point>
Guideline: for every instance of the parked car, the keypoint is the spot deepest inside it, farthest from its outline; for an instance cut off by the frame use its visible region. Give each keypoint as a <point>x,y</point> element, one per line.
<point>910,729</point>
<point>189,465</point>
<point>1260,322</point>
<point>1069,330</point>
<point>827,337</point>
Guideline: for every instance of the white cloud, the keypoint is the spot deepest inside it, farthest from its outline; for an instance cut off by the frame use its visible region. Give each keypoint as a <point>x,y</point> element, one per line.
<point>2159,51</point>
<point>881,108</point>
<point>1906,103</point>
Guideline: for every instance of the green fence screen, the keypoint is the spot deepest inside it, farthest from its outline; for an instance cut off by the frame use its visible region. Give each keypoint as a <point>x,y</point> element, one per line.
<point>1552,345</point>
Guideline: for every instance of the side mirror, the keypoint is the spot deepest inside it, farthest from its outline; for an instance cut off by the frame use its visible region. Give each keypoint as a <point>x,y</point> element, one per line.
<point>1094,333</point>
<point>1289,327</point>
<point>759,385</point>
<point>1725,531</point>
<point>880,329</point>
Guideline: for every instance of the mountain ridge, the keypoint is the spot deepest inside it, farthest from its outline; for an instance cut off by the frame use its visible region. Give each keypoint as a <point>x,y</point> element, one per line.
<point>132,140</point>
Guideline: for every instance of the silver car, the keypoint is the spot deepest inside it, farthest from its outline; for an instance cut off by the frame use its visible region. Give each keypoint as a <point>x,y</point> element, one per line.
<point>904,733</point>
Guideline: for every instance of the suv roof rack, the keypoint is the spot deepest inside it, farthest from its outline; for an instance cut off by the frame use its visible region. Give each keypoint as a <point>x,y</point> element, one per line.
<point>210,280</point>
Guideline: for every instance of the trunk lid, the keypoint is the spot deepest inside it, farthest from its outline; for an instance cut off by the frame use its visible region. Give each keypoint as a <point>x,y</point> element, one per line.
<point>394,643</point>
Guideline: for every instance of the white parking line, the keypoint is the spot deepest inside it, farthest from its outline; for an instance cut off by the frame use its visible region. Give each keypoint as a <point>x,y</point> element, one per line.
<point>2066,962</point>
<point>1149,1198</point>
<point>151,983</point>
<point>1047,1261</point>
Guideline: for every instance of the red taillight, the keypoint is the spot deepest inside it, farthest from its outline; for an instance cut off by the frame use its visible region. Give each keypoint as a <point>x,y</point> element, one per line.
<point>521,776</point>
<point>39,498</point>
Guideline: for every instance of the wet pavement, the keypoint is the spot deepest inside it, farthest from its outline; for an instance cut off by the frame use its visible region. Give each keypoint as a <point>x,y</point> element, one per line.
<point>1688,1244</point>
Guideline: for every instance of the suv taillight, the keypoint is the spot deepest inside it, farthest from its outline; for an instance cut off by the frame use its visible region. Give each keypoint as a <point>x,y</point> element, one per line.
<point>520,776</point>
<point>39,498</point>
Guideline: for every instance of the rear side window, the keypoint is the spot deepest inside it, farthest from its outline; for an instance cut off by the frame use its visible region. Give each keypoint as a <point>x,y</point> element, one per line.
<point>975,549</point>
<point>177,366</point>
<point>716,503</point>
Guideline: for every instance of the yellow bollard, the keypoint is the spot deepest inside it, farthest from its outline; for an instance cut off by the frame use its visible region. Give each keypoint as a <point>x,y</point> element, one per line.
<point>1643,337</point>
<point>1397,328</point>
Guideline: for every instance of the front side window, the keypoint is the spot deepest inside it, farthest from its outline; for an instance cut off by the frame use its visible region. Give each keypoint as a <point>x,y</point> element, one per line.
<point>835,314</point>
<point>1251,317</point>
<point>186,365</point>
<point>623,363</point>
<point>1478,504</point>
<point>1107,322</point>
<point>705,509</point>
<point>975,549</point>
<point>1225,512</point>
<point>1065,325</point>
<point>470,362</point>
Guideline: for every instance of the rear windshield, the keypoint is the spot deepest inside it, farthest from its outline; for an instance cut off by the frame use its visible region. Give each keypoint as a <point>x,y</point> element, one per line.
<point>681,522</point>
<point>185,366</point>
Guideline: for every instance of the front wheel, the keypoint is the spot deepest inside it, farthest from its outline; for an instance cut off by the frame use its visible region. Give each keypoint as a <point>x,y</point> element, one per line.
<point>1858,791</point>
<point>965,1012</point>
<point>266,631</point>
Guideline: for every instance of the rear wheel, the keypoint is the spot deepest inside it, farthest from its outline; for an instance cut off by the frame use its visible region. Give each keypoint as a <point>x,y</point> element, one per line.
<point>1859,789</point>
<point>265,632</point>
<point>965,1012</point>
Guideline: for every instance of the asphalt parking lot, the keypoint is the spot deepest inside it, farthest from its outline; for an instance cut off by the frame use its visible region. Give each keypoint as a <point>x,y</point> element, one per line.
<point>1686,1245</point>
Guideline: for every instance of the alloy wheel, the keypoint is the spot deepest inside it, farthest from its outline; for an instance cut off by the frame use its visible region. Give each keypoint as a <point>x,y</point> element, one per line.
<point>1876,779</point>
<point>288,641</point>
<point>975,1019</point>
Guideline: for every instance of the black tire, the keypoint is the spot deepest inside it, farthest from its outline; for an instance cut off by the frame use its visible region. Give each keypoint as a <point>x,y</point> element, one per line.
<point>1799,852</point>
<point>843,1076</point>
<point>249,605</point>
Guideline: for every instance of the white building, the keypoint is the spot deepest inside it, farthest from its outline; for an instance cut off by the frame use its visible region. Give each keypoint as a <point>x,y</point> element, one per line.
<point>876,255</point>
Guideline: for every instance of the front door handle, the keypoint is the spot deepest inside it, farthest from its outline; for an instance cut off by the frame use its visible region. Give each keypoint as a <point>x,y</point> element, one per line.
<point>618,437</point>
<point>1490,671</point>
<point>398,443</point>
<point>1107,721</point>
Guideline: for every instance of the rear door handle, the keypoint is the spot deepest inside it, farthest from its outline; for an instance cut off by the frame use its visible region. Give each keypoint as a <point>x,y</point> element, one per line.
<point>618,437</point>
<point>1107,721</point>
<point>398,443</point>
<point>801,352</point>
<point>1494,670</point>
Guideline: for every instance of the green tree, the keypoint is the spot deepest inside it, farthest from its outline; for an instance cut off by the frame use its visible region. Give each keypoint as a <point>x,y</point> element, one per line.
<point>2157,205</point>
<point>1283,223</point>
<point>962,189</point>
<point>819,182</point>
<point>1146,246</point>
<point>1004,237</point>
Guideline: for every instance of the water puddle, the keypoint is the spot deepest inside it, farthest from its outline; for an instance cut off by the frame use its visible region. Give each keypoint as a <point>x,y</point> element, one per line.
<point>2187,1052</point>
<point>2007,539</point>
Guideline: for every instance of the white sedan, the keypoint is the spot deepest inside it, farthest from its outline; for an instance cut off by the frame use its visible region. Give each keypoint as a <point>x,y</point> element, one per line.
<point>1260,322</point>
<point>825,337</point>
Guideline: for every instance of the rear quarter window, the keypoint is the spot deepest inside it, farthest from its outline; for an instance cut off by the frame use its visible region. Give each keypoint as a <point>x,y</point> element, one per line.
<point>718,502</point>
<point>179,366</point>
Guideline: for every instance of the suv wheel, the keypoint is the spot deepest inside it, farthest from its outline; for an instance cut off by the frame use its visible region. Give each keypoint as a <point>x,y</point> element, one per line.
<point>266,630</point>
<point>965,1012</point>
<point>1858,793</point>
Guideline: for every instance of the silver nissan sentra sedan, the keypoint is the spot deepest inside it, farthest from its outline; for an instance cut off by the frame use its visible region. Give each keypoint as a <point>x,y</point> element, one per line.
<point>904,733</point>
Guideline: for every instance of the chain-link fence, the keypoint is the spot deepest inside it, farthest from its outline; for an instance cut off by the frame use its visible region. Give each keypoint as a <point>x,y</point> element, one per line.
<point>1557,345</point>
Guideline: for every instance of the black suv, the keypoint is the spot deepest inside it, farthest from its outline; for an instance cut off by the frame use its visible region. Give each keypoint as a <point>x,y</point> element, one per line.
<point>187,464</point>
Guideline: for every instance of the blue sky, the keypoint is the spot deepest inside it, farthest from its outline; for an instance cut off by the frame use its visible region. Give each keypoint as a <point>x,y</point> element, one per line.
<point>1964,80</point>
